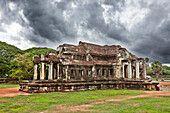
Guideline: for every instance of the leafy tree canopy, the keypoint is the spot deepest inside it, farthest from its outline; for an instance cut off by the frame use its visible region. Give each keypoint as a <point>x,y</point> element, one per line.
<point>147,59</point>
<point>9,52</point>
<point>35,51</point>
<point>23,67</point>
<point>157,68</point>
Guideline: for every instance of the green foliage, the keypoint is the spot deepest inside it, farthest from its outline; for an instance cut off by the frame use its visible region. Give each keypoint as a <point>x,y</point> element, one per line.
<point>147,59</point>
<point>160,78</point>
<point>149,71</point>
<point>105,45</point>
<point>9,52</point>
<point>165,70</point>
<point>42,102</point>
<point>157,68</point>
<point>8,85</point>
<point>38,51</point>
<point>23,67</point>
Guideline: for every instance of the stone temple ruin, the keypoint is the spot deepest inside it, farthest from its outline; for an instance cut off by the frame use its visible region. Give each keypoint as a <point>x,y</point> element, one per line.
<point>87,67</point>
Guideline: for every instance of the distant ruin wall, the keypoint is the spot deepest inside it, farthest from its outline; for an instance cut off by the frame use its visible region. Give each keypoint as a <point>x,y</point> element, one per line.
<point>161,76</point>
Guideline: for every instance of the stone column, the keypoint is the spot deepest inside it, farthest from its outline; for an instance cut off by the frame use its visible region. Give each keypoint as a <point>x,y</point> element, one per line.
<point>42,74</point>
<point>49,72</point>
<point>50,76</point>
<point>144,70</point>
<point>88,57</point>
<point>137,69</point>
<point>129,70</point>
<point>58,71</point>
<point>123,74</point>
<point>93,71</point>
<point>35,71</point>
<point>55,73</point>
<point>66,73</point>
<point>101,71</point>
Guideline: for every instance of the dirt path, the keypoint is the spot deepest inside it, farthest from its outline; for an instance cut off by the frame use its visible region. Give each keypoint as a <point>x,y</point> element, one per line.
<point>11,92</point>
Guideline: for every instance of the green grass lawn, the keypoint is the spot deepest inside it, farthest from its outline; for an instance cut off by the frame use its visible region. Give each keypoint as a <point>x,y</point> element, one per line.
<point>160,78</point>
<point>8,85</point>
<point>42,102</point>
<point>137,105</point>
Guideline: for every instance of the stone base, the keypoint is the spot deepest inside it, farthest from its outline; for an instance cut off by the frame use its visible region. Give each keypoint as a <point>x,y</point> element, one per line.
<point>68,86</point>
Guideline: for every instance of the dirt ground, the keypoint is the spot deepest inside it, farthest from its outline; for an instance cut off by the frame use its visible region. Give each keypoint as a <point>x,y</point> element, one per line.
<point>165,91</point>
<point>11,92</point>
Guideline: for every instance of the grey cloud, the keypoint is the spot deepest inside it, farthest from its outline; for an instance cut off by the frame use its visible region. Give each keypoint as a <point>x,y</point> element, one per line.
<point>154,34</point>
<point>47,20</point>
<point>53,22</point>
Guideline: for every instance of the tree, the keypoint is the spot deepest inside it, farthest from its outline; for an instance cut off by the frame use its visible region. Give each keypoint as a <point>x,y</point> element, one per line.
<point>4,66</point>
<point>165,70</point>
<point>149,71</point>
<point>105,45</point>
<point>7,53</point>
<point>23,67</point>
<point>157,68</point>
<point>146,60</point>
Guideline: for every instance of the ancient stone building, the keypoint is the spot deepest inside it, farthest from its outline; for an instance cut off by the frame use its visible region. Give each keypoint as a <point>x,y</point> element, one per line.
<point>87,62</point>
<point>87,67</point>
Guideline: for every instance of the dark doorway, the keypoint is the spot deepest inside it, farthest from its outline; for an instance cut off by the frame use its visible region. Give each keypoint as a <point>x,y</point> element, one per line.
<point>126,71</point>
<point>46,72</point>
<point>38,72</point>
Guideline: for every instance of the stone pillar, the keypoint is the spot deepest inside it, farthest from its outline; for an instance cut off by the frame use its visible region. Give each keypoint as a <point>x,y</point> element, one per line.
<point>50,75</point>
<point>129,70</point>
<point>66,73</point>
<point>58,71</point>
<point>137,69</point>
<point>88,57</point>
<point>93,71</point>
<point>123,74</point>
<point>49,72</point>
<point>55,73</point>
<point>144,70</point>
<point>35,71</point>
<point>42,74</point>
<point>101,71</point>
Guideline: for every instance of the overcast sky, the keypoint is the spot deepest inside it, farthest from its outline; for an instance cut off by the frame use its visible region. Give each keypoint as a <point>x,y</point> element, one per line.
<point>141,26</point>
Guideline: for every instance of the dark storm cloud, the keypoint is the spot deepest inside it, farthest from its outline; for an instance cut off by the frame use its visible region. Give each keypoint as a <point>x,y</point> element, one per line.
<point>96,21</point>
<point>47,22</point>
<point>154,33</point>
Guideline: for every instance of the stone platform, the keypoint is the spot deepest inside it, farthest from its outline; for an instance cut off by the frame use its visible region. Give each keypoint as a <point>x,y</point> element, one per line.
<point>68,86</point>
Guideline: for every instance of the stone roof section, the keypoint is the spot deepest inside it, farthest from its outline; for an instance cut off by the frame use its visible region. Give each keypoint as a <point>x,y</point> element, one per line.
<point>111,54</point>
<point>93,49</point>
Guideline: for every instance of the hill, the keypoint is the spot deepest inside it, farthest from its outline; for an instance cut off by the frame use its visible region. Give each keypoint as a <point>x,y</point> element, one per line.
<point>8,52</point>
<point>38,51</point>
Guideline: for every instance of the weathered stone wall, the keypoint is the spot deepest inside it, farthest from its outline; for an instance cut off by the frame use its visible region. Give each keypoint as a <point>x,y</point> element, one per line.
<point>54,86</point>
